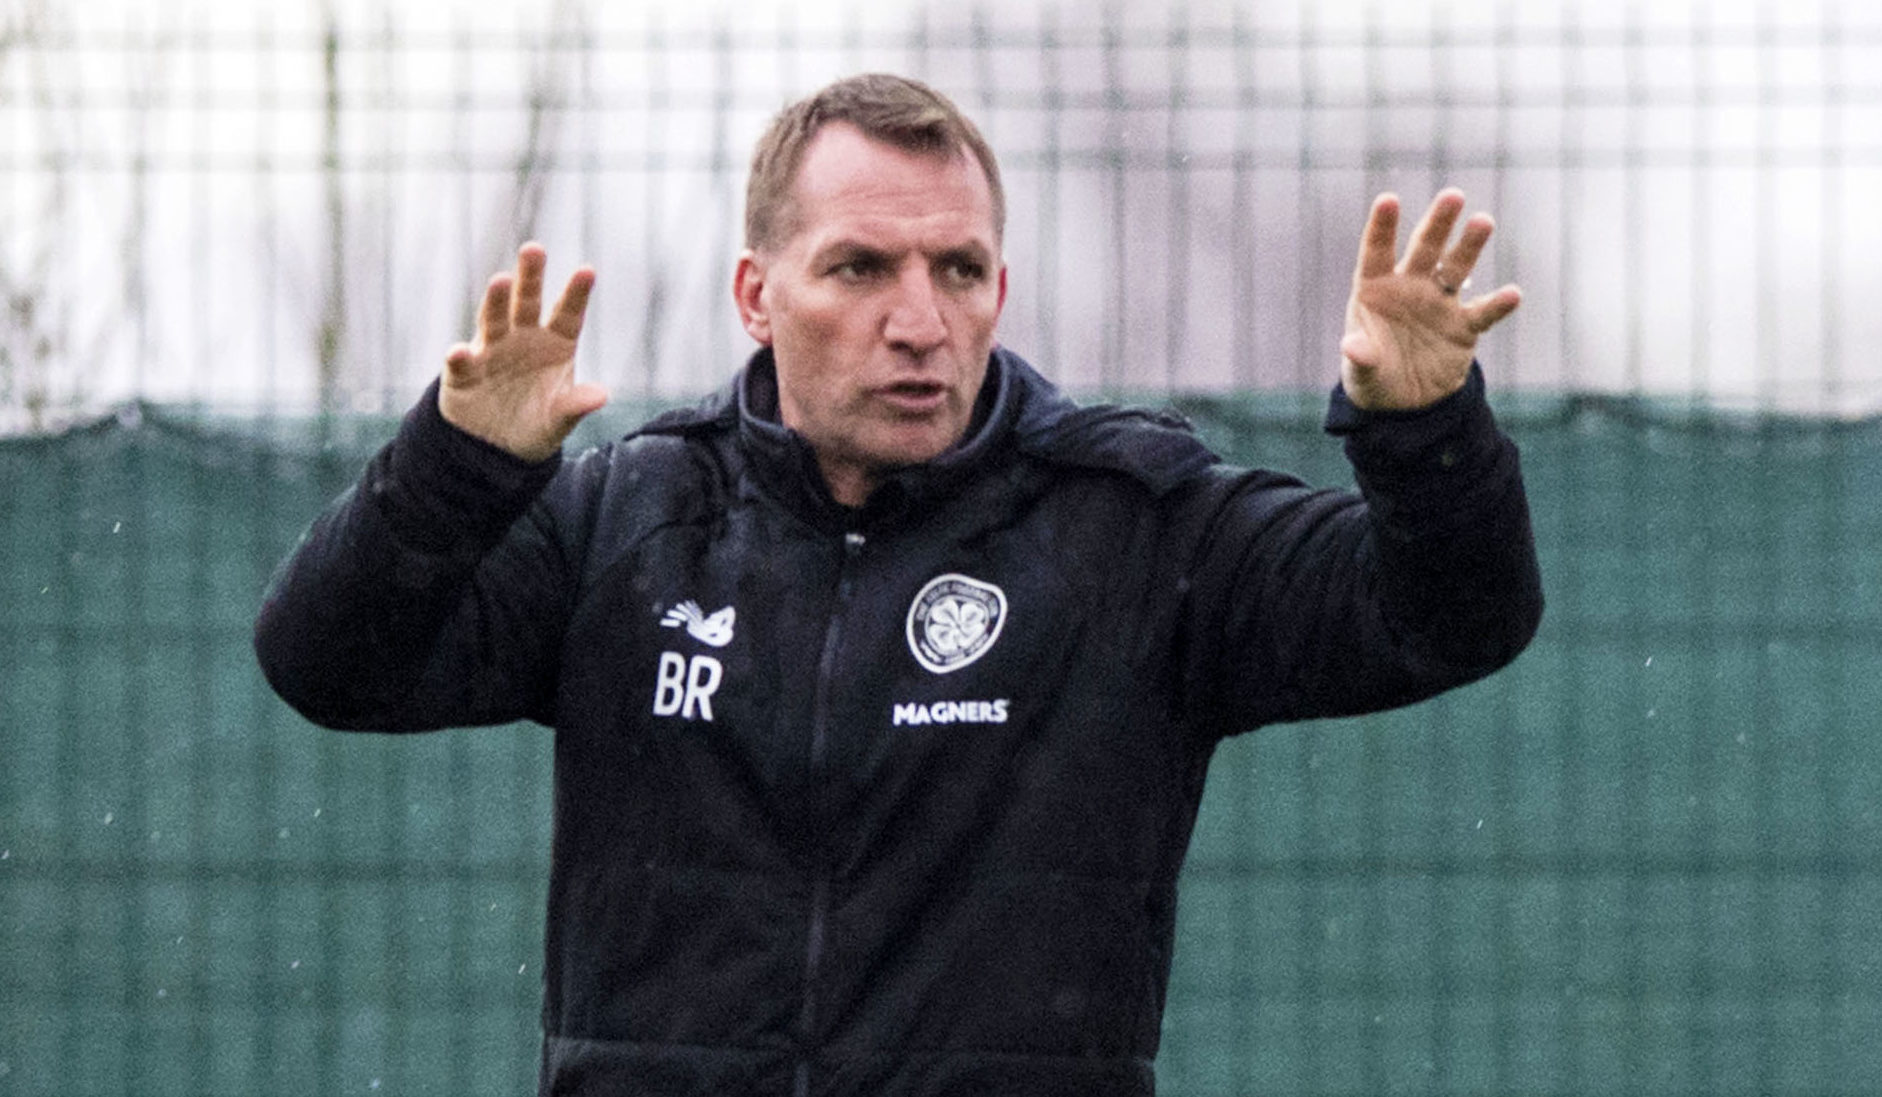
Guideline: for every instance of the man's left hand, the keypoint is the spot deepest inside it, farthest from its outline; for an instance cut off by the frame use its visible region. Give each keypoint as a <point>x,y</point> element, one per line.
<point>1410,333</point>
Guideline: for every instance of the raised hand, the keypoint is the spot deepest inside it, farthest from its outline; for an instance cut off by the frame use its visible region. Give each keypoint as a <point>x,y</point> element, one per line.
<point>1410,337</point>
<point>515,386</point>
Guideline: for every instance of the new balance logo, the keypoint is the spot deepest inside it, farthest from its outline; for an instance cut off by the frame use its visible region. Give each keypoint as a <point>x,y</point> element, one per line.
<point>715,630</point>
<point>684,685</point>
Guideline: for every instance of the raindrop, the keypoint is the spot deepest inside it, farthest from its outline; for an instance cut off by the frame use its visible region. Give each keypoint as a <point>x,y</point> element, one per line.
<point>283,834</point>
<point>109,818</point>
<point>521,968</point>
<point>295,966</point>
<point>117,527</point>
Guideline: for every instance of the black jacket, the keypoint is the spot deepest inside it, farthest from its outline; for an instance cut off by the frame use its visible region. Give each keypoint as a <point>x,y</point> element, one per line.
<point>890,801</point>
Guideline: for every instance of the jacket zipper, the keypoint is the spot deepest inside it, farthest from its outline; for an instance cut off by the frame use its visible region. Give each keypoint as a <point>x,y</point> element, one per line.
<point>814,937</point>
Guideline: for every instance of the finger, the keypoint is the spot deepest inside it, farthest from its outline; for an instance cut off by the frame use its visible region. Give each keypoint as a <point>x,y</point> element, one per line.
<point>1433,230</point>
<point>1484,313</point>
<point>1457,263</point>
<point>526,310</point>
<point>566,318</point>
<point>1378,244</point>
<point>493,320</point>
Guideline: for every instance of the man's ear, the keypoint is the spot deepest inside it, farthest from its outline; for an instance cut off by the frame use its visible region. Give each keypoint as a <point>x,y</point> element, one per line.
<point>748,292</point>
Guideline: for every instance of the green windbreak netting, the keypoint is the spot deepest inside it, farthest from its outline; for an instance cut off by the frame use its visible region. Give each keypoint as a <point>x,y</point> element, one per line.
<point>1644,860</point>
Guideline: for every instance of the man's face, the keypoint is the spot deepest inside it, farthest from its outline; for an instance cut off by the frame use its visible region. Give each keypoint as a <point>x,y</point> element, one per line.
<point>880,306</point>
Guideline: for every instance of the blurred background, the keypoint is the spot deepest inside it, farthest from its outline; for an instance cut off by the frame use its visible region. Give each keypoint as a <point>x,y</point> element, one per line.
<point>236,240</point>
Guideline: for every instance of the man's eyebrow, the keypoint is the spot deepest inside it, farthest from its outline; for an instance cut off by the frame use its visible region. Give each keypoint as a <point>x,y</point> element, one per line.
<point>974,252</point>
<point>849,248</point>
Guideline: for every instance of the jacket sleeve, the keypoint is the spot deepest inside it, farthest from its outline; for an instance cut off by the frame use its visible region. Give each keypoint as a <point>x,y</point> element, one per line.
<point>1315,603</point>
<point>429,595</point>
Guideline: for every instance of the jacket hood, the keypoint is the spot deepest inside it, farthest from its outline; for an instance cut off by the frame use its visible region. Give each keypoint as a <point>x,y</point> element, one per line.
<point>1157,448</point>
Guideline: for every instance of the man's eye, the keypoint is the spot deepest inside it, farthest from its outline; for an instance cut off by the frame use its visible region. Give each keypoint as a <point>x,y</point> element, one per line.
<point>856,270</point>
<point>963,272</point>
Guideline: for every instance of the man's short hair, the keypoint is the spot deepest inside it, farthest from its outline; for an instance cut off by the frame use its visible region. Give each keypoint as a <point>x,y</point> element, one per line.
<point>895,110</point>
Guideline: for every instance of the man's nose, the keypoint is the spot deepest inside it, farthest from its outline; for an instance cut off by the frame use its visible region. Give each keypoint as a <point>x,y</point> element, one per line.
<point>914,321</point>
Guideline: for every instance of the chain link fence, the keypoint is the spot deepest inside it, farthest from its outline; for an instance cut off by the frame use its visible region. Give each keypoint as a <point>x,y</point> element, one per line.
<point>293,208</point>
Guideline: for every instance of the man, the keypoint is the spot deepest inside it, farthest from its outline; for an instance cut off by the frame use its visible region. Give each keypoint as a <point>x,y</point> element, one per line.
<point>884,682</point>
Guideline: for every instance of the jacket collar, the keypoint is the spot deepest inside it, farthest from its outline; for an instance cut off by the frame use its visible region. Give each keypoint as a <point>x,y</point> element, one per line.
<point>786,465</point>
<point>1018,412</point>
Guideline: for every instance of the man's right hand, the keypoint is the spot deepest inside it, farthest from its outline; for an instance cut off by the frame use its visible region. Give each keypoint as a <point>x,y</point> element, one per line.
<point>515,386</point>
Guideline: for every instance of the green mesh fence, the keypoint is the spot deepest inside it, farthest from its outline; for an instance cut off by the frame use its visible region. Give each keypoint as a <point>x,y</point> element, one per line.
<point>1641,861</point>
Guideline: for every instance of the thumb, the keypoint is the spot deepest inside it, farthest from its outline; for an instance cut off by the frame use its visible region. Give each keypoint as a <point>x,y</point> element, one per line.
<point>578,402</point>
<point>460,362</point>
<point>1360,348</point>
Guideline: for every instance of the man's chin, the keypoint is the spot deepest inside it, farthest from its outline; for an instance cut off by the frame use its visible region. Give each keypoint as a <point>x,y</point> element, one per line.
<point>917,448</point>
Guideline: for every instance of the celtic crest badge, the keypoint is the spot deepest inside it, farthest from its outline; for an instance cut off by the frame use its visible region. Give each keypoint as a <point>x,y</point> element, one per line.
<point>954,621</point>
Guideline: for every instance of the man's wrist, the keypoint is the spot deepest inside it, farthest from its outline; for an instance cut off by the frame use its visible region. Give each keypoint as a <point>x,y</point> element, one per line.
<point>1422,449</point>
<point>442,487</point>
